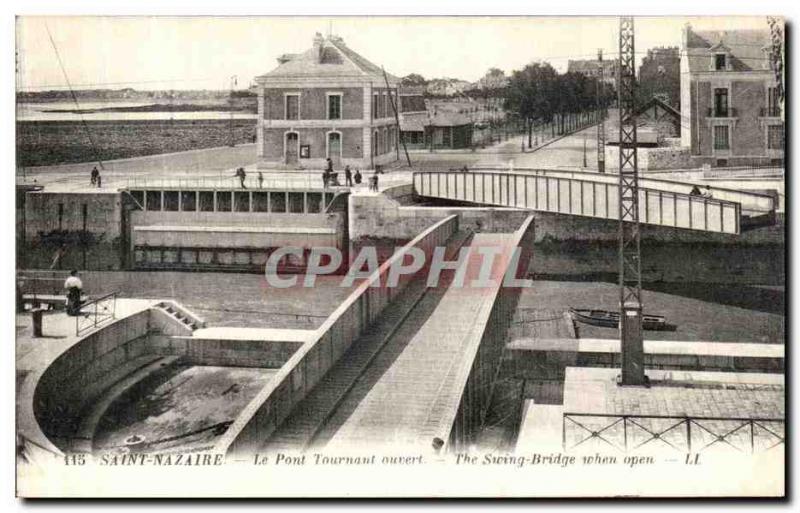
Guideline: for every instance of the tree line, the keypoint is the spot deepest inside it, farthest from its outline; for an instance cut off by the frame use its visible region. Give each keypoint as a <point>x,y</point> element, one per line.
<point>537,94</point>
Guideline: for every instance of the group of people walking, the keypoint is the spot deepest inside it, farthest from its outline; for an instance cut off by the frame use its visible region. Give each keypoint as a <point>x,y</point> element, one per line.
<point>242,176</point>
<point>351,179</point>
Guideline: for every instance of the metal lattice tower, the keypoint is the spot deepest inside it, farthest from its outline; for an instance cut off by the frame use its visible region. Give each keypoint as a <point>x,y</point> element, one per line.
<point>630,280</point>
<point>601,125</point>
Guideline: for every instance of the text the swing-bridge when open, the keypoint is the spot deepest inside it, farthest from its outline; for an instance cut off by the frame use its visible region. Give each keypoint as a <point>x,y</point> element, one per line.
<point>685,434</point>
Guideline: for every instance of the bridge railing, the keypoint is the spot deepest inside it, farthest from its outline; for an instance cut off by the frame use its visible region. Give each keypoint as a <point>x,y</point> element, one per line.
<point>683,434</point>
<point>287,181</point>
<point>588,198</point>
<point>461,419</point>
<point>749,200</point>
<point>308,365</point>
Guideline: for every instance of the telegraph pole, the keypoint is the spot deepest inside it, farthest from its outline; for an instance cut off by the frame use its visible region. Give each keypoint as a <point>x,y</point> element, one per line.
<point>230,121</point>
<point>601,125</point>
<point>630,279</point>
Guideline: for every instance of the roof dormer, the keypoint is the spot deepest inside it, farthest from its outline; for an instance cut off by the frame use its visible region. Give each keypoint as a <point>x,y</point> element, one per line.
<point>720,57</point>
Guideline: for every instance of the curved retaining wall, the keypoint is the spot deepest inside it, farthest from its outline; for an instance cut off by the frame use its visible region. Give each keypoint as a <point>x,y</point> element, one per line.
<point>309,364</point>
<point>480,366</point>
<point>76,377</point>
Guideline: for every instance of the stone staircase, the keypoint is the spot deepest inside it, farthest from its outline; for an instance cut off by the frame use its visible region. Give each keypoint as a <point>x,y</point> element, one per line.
<point>180,314</point>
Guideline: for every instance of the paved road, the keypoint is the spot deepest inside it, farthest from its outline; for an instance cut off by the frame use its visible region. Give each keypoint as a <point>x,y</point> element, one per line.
<point>212,162</point>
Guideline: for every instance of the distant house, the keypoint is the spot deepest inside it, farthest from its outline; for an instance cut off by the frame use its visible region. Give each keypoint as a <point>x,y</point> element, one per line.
<point>327,102</point>
<point>591,68</point>
<point>660,75</point>
<point>658,116</point>
<point>730,110</point>
<point>447,129</point>
<point>413,115</point>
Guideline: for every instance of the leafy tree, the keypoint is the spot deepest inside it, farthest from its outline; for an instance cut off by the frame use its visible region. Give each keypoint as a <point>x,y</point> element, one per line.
<point>413,79</point>
<point>531,95</point>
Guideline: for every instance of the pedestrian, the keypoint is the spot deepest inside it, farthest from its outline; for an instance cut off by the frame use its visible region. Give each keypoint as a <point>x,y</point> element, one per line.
<point>357,176</point>
<point>242,175</point>
<point>373,182</point>
<point>74,286</point>
<point>695,191</point>
<point>348,176</point>
<point>95,173</point>
<point>260,180</point>
<point>329,167</point>
<point>99,180</point>
<point>707,193</point>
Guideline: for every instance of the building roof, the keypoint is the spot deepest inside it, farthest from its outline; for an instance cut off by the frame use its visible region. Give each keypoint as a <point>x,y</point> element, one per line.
<point>669,109</point>
<point>328,57</point>
<point>589,66</point>
<point>417,121</point>
<point>749,50</point>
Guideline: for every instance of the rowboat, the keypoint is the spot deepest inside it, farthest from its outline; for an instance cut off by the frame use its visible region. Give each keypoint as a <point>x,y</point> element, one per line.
<point>608,319</point>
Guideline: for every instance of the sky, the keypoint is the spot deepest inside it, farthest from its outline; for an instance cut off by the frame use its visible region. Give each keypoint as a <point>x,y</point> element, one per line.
<point>205,52</point>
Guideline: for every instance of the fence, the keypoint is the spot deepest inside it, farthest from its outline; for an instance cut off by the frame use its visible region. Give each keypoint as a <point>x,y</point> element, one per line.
<point>564,195</point>
<point>679,433</point>
<point>96,312</point>
<point>744,172</point>
<point>290,180</point>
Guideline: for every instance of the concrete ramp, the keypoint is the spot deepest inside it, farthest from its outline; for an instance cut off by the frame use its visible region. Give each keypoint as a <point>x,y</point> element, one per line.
<point>430,387</point>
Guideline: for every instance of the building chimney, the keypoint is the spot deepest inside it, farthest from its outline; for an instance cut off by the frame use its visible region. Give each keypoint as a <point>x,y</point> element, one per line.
<point>685,39</point>
<point>318,40</point>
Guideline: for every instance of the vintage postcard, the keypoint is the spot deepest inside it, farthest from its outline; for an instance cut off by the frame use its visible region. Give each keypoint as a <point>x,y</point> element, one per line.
<point>400,256</point>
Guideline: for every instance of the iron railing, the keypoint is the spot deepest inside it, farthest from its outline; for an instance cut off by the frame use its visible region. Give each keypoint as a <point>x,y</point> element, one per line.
<point>596,197</point>
<point>770,112</point>
<point>713,112</point>
<point>680,433</point>
<point>311,181</point>
<point>95,312</point>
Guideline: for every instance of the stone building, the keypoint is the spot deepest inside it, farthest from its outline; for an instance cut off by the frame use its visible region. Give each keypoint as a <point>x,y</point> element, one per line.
<point>327,102</point>
<point>730,111</point>
<point>591,68</point>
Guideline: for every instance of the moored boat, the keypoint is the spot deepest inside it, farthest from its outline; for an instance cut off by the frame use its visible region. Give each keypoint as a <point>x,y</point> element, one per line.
<point>609,319</point>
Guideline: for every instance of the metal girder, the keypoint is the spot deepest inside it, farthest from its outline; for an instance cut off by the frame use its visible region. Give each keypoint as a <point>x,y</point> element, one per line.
<point>630,280</point>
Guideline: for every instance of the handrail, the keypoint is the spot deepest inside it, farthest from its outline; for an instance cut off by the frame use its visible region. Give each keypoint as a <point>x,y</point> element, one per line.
<point>588,198</point>
<point>652,434</point>
<point>603,176</point>
<point>100,315</point>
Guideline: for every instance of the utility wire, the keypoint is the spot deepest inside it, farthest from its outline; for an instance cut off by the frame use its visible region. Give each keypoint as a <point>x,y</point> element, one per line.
<point>74,98</point>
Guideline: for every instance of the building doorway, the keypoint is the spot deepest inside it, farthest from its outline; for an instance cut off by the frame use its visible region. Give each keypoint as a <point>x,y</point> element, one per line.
<point>335,148</point>
<point>292,148</point>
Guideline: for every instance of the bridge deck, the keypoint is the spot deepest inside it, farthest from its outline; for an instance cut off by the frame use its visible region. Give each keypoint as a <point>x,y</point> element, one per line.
<point>399,399</point>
